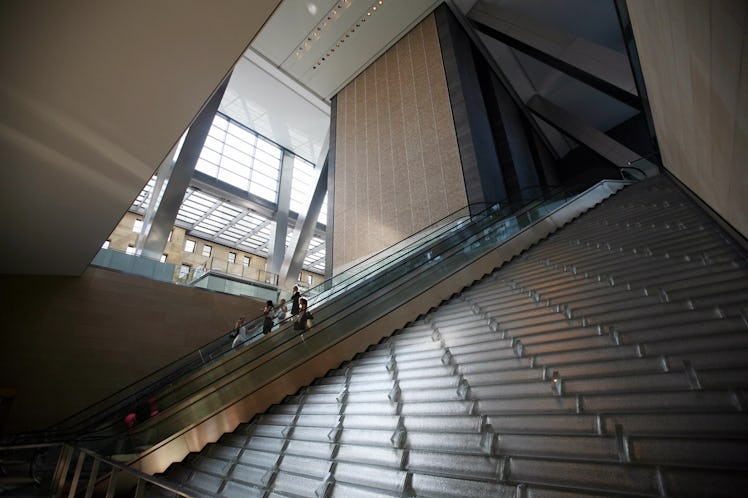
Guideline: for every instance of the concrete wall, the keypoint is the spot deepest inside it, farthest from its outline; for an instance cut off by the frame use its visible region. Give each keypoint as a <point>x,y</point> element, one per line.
<point>93,97</point>
<point>694,57</point>
<point>397,166</point>
<point>70,341</point>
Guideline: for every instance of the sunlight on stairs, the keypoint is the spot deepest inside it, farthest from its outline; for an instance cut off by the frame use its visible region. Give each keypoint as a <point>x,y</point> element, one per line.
<point>610,359</point>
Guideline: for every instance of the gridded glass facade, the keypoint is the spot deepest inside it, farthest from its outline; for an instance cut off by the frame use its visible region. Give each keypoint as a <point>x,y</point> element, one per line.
<point>239,157</point>
<point>301,184</point>
<point>226,223</point>
<point>304,178</point>
<point>315,256</point>
<point>236,155</point>
<point>322,218</point>
<point>144,197</point>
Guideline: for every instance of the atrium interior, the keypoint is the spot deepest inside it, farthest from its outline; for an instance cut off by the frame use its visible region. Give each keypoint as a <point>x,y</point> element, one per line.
<point>520,226</point>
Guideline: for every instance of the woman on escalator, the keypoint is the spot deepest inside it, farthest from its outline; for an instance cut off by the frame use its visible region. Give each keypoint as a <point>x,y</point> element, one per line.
<point>303,320</point>
<point>268,312</point>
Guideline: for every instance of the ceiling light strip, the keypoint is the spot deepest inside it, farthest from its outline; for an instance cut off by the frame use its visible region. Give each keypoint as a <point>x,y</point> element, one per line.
<point>332,16</point>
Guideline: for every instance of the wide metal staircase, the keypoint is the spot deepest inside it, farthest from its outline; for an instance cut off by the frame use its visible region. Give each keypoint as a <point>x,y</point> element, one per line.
<point>611,360</point>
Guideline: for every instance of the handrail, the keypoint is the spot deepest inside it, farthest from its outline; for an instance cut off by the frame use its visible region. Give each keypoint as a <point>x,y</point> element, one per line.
<point>623,169</point>
<point>61,479</point>
<point>321,308</point>
<point>140,476</point>
<point>495,210</point>
<point>408,241</point>
<point>643,164</point>
<point>375,259</point>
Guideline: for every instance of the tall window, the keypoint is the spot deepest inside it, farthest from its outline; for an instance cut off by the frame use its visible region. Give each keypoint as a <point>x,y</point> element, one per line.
<point>238,156</point>
<point>184,271</point>
<point>189,246</point>
<point>163,258</point>
<point>232,257</point>
<point>130,250</point>
<point>245,261</point>
<point>137,227</point>
<point>106,243</point>
<point>207,250</point>
<point>302,184</point>
<point>322,218</point>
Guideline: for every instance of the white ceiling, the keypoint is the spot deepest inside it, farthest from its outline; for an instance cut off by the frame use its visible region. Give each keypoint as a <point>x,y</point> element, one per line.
<point>281,88</point>
<point>275,106</point>
<point>348,34</point>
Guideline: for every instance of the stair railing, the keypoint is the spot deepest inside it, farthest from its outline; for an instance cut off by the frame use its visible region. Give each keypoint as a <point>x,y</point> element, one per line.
<point>74,471</point>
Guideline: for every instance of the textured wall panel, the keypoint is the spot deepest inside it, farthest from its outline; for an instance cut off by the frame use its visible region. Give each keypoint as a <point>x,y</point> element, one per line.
<point>397,163</point>
<point>694,57</point>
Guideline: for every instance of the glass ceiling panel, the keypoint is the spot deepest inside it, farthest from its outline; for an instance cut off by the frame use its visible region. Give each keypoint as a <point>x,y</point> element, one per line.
<point>301,184</point>
<point>322,218</point>
<point>315,255</point>
<point>141,202</point>
<point>225,223</point>
<point>236,155</point>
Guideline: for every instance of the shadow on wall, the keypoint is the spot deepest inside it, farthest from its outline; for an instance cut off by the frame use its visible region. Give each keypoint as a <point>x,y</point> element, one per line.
<point>71,341</point>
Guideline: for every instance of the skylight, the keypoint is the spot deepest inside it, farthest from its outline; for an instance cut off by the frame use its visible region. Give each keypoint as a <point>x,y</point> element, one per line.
<point>236,155</point>
<point>243,159</point>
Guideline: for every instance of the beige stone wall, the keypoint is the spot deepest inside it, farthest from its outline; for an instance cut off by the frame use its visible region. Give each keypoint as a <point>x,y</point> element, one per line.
<point>123,236</point>
<point>694,56</point>
<point>70,341</point>
<point>397,166</point>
